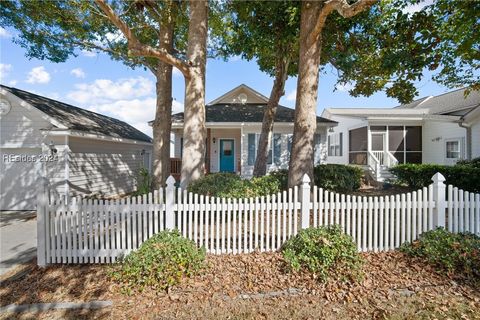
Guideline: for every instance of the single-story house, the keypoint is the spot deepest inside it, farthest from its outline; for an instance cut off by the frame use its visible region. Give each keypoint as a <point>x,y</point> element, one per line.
<point>435,129</point>
<point>79,152</point>
<point>234,122</point>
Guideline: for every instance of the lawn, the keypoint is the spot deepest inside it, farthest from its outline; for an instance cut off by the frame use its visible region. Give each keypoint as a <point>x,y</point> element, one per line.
<point>255,286</point>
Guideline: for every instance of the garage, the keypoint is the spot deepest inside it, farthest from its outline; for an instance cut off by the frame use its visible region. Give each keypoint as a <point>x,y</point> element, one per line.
<point>18,178</point>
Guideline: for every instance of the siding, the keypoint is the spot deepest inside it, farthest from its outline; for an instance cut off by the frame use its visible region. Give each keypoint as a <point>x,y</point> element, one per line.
<point>344,125</point>
<point>434,135</point>
<point>103,167</point>
<point>247,170</point>
<point>22,127</point>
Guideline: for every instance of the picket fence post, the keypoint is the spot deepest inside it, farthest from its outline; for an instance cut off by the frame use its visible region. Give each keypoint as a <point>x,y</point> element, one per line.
<point>305,202</point>
<point>439,198</point>
<point>42,201</point>
<point>170,204</point>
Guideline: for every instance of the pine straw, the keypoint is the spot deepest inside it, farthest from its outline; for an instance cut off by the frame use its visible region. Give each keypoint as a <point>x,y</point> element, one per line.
<point>394,286</point>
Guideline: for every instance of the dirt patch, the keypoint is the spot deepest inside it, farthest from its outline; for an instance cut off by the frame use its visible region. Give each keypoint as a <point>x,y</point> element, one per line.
<point>258,286</point>
<point>381,190</point>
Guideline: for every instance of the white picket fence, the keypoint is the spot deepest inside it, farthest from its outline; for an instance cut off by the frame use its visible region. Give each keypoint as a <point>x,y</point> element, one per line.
<point>95,231</point>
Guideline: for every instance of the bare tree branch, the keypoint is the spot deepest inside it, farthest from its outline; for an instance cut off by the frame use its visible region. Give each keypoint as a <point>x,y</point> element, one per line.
<point>138,48</point>
<point>343,8</point>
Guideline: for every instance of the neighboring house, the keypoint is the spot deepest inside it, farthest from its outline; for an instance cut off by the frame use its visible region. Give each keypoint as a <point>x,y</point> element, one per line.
<point>234,123</point>
<point>436,129</point>
<point>79,152</point>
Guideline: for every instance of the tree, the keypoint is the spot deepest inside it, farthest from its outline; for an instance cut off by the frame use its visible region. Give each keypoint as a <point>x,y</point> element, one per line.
<point>379,46</point>
<point>268,32</point>
<point>146,34</point>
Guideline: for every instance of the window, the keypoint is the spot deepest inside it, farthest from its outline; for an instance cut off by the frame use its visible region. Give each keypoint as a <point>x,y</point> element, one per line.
<point>277,149</point>
<point>335,144</point>
<point>274,153</point>
<point>453,149</point>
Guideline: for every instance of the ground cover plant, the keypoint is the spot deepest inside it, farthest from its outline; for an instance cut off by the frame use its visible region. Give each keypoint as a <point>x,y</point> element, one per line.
<point>323,251</point>
<point>161,262</point>
<point>453,252</point>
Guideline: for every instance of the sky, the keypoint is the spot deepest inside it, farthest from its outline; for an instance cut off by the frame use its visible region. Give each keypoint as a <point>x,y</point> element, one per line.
<point>95,82</point>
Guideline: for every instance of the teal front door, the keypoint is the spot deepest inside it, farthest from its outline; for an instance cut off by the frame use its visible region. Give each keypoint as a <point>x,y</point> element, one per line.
<point>227,157</point>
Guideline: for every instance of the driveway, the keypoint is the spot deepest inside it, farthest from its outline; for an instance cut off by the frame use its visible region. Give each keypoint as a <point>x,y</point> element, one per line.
<point>18,238</point>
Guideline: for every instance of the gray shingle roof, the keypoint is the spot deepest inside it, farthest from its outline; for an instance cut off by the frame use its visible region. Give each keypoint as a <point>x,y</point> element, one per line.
<point>78,119</point>
<point>244,113</point>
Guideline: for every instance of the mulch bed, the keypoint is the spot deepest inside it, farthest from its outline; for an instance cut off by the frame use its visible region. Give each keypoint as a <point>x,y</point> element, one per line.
<point>258,286</point>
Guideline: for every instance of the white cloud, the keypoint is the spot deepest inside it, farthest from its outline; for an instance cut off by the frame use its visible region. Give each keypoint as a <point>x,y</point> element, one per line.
<point>292,95</point>
<point>105,91</point>
<point>176,72</point>
<point>4,33</point>
<point>78,72</point>
<point>344,87</point>
<point>38,75</point>
<point>177,107</point>
<point>4,70</point>
<point>12,83</point>
<point>234,58</point>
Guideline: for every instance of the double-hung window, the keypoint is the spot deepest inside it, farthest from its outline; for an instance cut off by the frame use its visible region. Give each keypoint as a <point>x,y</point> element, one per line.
<point>335,144</point>
<point>453,149</point>
<point>274,152</point>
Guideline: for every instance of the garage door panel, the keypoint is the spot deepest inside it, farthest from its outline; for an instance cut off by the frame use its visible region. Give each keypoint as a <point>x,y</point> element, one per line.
<point>18,180</point>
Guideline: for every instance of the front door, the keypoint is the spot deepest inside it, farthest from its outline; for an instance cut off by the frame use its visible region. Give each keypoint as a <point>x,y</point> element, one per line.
<point>227,157</point>
<point>378,146</point>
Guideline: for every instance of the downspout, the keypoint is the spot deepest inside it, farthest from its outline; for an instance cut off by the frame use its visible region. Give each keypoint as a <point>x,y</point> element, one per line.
<point>468,142</point>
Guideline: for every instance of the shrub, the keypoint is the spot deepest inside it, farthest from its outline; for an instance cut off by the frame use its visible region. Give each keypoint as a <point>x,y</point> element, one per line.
<point>323,251</point>
<point>465,177</point>
<point>281,176</point>
<point>230,185</point>
<point>473,163</point>
<point>160,262</point>
<point>338,177</point>
<point>143,181</point>
<point>451,251</point>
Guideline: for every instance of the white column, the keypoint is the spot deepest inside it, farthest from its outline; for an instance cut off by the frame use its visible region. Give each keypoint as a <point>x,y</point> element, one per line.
<point>305,202</point>
<point>170,204</point>
<point>439,198</point>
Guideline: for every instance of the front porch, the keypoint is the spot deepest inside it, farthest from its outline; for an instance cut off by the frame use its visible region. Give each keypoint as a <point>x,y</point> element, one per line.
<point>378,147</point>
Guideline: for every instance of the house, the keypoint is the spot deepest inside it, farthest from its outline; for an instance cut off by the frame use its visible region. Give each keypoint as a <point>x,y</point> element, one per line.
<point>436,129</point>
<point>80,152</point>
<point>234,122</point>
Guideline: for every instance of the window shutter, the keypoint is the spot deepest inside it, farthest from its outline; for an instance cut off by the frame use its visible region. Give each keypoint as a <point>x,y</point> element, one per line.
<point>277,145</point>
<point>251,149</point>
<point>329,148</point>
<point>341,144</point>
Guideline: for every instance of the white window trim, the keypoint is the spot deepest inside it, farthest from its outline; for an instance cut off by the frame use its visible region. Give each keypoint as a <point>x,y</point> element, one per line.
<point>460,148</point>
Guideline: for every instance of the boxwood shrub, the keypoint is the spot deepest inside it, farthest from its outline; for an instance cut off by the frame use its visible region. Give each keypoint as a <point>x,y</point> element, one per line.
<point>323,251</point>
<point>230,185</point>
<point>453,252</point>
<point>338,177</point>
<point>161,262</point>
<point>463,176</point>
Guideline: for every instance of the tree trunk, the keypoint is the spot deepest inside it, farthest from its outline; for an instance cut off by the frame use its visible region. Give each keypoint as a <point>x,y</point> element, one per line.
<point>162,124</point>
<point>301,159</point>
<point>281,74</point>
<point>194,132</point>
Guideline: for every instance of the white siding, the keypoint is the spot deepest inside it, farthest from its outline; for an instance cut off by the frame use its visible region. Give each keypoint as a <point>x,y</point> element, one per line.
<point>476,139</point>
<point>21,127</point>
<point>434,135</point>
<point>344,125</point>
<point>284,130</point>
<point>103,167</point>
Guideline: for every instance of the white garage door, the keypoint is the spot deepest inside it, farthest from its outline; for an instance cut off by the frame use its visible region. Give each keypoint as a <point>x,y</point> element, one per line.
<point>18,179</point>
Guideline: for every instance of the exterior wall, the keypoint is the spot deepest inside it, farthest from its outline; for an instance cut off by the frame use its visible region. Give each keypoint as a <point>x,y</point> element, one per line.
<point>21,127</point>
<point>434,135</point>
<point>344,125</point>
<point>284,130</point>
<point>476,139</point>
<point>104,167</point>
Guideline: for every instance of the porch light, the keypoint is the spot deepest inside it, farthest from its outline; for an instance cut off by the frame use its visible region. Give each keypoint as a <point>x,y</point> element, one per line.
<point>52,148</point>
<point>330,129</point>
<point>214,140</point>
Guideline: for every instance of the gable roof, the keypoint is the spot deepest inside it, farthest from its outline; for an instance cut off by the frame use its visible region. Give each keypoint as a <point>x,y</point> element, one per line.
<point>78,119</point>
<point>253,96</point>
<point>244,113</point>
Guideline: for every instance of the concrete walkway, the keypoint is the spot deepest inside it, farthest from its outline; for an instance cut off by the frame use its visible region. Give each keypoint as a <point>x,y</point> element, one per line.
<point>18,238</point>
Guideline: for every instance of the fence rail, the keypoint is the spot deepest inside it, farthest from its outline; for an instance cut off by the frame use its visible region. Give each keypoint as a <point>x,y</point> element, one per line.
<point>97,231</point>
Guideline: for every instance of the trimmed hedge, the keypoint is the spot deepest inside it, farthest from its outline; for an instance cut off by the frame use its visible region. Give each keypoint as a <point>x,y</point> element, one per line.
<point>230,185</point>
<point>338,177</point>
<point>463,176</point>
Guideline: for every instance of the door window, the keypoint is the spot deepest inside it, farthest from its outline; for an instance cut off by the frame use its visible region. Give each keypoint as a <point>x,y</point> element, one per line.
<point>227,148</point>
